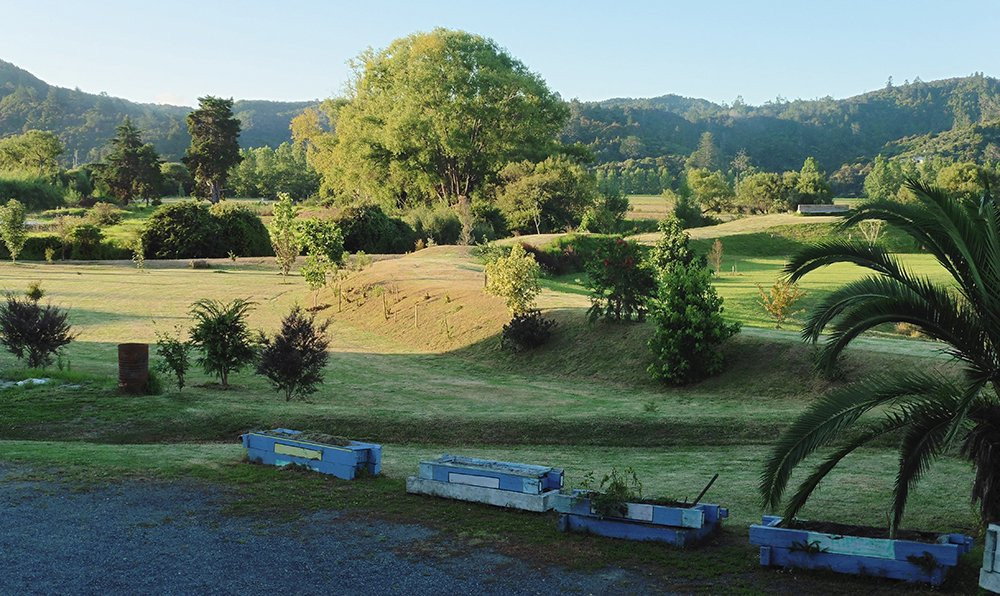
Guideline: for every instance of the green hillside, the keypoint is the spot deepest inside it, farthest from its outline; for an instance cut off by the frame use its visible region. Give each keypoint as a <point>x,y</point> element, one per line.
<point>779,135</point>
<point>85,121</point>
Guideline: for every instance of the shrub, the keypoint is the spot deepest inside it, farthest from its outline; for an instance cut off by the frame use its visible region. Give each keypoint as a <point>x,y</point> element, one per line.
<point>35,193</point>
<point>525,331</point>
<point>282,232</point>
<point>606,215</point>
<point>293,360</point>
<point>222,335</point>
<point>688,212</point>
<point>569,253</point>
<point>86,242</point>
<point>778,301</point>
<point>175,354</point>
<point>367,228</point>
<point>688,326</point>
<point>439,223</point>
<point>321,237</point>
<point>182,230</point>
<point>672,247</point>
<point>515,279</point>
<point>620,283</point>
<point>13,227</point>
<point>241,231</point>
<point>33,332</point>
<point>104,214</point>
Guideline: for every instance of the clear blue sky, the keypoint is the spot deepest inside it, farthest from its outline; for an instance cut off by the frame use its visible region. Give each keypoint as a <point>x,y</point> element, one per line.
<point>174,51</point>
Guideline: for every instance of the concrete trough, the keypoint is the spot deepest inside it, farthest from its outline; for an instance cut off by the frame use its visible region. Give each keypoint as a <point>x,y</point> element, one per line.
<point>281,447</point>
<point>989,575</point>
<point>675,525</point>
<point>907,560</point>
<point>502,484</point>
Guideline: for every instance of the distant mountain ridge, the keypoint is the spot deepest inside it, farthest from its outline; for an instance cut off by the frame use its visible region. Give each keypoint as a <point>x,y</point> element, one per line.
<point>780,135</point>
<point>85,121</point>
<point>958,117</point>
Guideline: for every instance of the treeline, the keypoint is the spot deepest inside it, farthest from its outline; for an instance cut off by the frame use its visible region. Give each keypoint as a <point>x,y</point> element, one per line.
<point>780,134</point>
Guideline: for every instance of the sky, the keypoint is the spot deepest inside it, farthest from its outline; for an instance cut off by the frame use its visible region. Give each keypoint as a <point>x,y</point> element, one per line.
<point>173,52</point>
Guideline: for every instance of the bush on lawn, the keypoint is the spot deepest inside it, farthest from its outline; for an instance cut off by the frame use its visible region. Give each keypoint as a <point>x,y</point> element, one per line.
<point>241,230</point>
<point>35,193</point>
<point>526,331</point>
<point>620,282</point>
<point>367,228</point>
<point>33,332</point>
<point>293,360</point>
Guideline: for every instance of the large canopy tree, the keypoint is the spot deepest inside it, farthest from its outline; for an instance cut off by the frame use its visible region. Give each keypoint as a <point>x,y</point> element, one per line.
<point>132,169</point>
<point>929,412</point>
<point>214,146</point>
<point>437,115</point>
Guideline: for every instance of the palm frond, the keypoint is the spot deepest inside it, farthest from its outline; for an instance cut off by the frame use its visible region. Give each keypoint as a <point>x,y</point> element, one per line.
<point>809,485</point>
<point>828,417</point>
<point>929,426</point>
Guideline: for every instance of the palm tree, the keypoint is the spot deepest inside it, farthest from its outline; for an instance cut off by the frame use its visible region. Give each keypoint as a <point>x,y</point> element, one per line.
<point>929,413</point>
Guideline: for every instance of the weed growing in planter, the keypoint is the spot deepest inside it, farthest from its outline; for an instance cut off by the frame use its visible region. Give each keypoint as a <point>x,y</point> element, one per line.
<point>611,496</point>
<point>293,360</point>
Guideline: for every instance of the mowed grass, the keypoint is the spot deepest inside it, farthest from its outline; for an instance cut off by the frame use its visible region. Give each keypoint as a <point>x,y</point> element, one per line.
<point>415,357</point>
<point>649,207</point>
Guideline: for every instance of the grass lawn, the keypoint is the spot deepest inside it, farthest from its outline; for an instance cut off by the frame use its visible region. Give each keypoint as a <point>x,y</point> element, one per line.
<point>649,207</point>
<point>415,364</point>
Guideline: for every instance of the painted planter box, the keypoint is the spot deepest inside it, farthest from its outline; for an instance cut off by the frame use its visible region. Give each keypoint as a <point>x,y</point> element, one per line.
<point>679,526</point>
<point>907,560</point>
<point>989,575</point>
<point>504,484</point>
<point>280,447</point>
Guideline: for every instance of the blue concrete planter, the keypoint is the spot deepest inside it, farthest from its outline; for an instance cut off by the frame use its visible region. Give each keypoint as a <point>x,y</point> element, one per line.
<point>342,461</point>
<point>504,484</point>
<point>679,526</point>
<point>907,560</point>
<point>989,575</point>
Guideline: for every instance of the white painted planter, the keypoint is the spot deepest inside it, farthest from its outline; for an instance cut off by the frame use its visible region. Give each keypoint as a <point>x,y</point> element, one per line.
<point>989,575</point>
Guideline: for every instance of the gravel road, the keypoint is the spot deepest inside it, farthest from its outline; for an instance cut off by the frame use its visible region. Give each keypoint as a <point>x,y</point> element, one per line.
<point>147,537</point>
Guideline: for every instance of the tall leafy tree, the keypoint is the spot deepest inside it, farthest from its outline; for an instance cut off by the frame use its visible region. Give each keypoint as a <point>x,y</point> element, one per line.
<point>928,411</point>
<point>214,145</point>
<point>132,169</point>
<point>35,151</point>
<point>812,185</point>
<point>707,156</point>
<point>550,195</point>
<point>438,115</point>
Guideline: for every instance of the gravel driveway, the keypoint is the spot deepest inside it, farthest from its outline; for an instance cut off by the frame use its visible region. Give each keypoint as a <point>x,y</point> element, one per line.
<point>148,537</point>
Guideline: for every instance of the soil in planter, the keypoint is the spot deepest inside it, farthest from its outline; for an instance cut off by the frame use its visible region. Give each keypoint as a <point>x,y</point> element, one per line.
<point>861,531</point>
<point>310,436</point>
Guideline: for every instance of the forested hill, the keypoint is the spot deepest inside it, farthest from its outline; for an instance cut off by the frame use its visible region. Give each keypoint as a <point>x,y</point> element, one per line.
<point>952,117</point>
<point>779,135</point>
<point>85,121</point>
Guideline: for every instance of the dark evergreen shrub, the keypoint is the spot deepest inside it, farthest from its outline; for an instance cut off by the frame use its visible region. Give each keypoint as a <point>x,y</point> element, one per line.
<point>526,331</point>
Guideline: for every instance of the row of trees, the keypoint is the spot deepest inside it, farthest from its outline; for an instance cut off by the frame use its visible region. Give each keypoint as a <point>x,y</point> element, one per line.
<point>886,179</point>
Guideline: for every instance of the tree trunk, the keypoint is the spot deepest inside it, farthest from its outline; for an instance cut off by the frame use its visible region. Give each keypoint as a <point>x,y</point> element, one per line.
<point>216,192</point>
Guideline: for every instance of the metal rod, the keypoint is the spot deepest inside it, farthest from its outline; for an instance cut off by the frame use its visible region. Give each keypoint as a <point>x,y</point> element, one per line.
<point>705,490</point>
